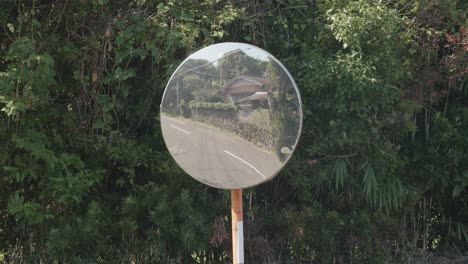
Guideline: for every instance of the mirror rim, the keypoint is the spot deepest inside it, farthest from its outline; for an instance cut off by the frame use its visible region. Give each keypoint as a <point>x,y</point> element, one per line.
<point>299,99</point>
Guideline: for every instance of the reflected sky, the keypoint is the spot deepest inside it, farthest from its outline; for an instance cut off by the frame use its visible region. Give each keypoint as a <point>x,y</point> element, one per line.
<point>215,52</point>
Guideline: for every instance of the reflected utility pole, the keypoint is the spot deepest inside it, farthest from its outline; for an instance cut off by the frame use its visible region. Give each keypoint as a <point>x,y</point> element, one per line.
<point>177,95</point>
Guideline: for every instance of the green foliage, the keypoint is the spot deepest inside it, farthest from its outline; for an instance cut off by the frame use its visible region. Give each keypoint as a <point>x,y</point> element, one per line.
<point>380,170</point>
<point>371,28</point>
<point>340,171</point>
<point>27,212</point>
<point>212,106</point>
<point>26,82</point>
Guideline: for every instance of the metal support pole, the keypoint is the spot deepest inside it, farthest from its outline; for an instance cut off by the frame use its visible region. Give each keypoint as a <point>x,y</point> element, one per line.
<point>177,95</point>
<point>237,227</point>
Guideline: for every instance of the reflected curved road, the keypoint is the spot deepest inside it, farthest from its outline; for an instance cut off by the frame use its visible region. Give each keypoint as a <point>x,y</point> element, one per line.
<point>215,158</point>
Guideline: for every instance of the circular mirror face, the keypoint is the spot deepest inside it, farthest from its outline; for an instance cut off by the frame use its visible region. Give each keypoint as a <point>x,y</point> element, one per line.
<point>231,115</point>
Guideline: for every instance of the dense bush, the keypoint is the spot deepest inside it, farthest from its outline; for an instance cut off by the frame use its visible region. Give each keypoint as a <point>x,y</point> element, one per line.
<point>212,106</point>
<point>225,117</point>
<point>267,137</point>
<point>381,170</point>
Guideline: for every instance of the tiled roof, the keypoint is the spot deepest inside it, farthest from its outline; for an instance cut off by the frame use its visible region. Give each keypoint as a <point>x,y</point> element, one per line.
<point>258,80</point>
<point>256,96</point>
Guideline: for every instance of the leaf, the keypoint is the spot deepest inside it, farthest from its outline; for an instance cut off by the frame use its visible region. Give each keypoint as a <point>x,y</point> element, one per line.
<point>94,77</point>
<point>11,27</point>
<point>461,184</point>
<point>369,180</point>
<point>340,171</point>
<point>457,190</point>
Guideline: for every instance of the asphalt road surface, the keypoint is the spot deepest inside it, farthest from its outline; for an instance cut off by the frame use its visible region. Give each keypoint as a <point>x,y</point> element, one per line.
<point>215,158</point>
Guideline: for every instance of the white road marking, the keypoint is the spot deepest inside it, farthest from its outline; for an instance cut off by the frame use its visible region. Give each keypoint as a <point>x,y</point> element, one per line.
<point>177,121</point>
<point>248,164</point>
<point>174,120</point>
<point>186,132</point>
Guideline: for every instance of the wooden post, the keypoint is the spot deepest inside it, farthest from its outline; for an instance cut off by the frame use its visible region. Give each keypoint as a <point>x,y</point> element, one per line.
<point>237,227</point>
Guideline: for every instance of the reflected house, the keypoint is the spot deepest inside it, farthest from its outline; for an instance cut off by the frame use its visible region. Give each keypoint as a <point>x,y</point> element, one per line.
<point>248,92</point>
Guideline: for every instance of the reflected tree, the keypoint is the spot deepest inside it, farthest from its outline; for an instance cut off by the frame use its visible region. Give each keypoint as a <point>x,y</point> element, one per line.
<point>237,62</point>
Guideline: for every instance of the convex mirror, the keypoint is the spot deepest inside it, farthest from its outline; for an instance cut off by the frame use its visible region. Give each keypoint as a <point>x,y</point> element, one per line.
<point>231,115</point>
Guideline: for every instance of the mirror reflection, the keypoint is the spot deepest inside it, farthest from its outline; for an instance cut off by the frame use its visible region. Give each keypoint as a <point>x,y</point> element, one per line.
<point>231,115</point>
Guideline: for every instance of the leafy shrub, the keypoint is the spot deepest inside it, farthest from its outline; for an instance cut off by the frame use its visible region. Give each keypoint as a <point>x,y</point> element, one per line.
<point>211,106</point>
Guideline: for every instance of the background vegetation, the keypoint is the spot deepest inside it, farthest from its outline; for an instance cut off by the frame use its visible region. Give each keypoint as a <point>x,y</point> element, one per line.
<point>381,172</point>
